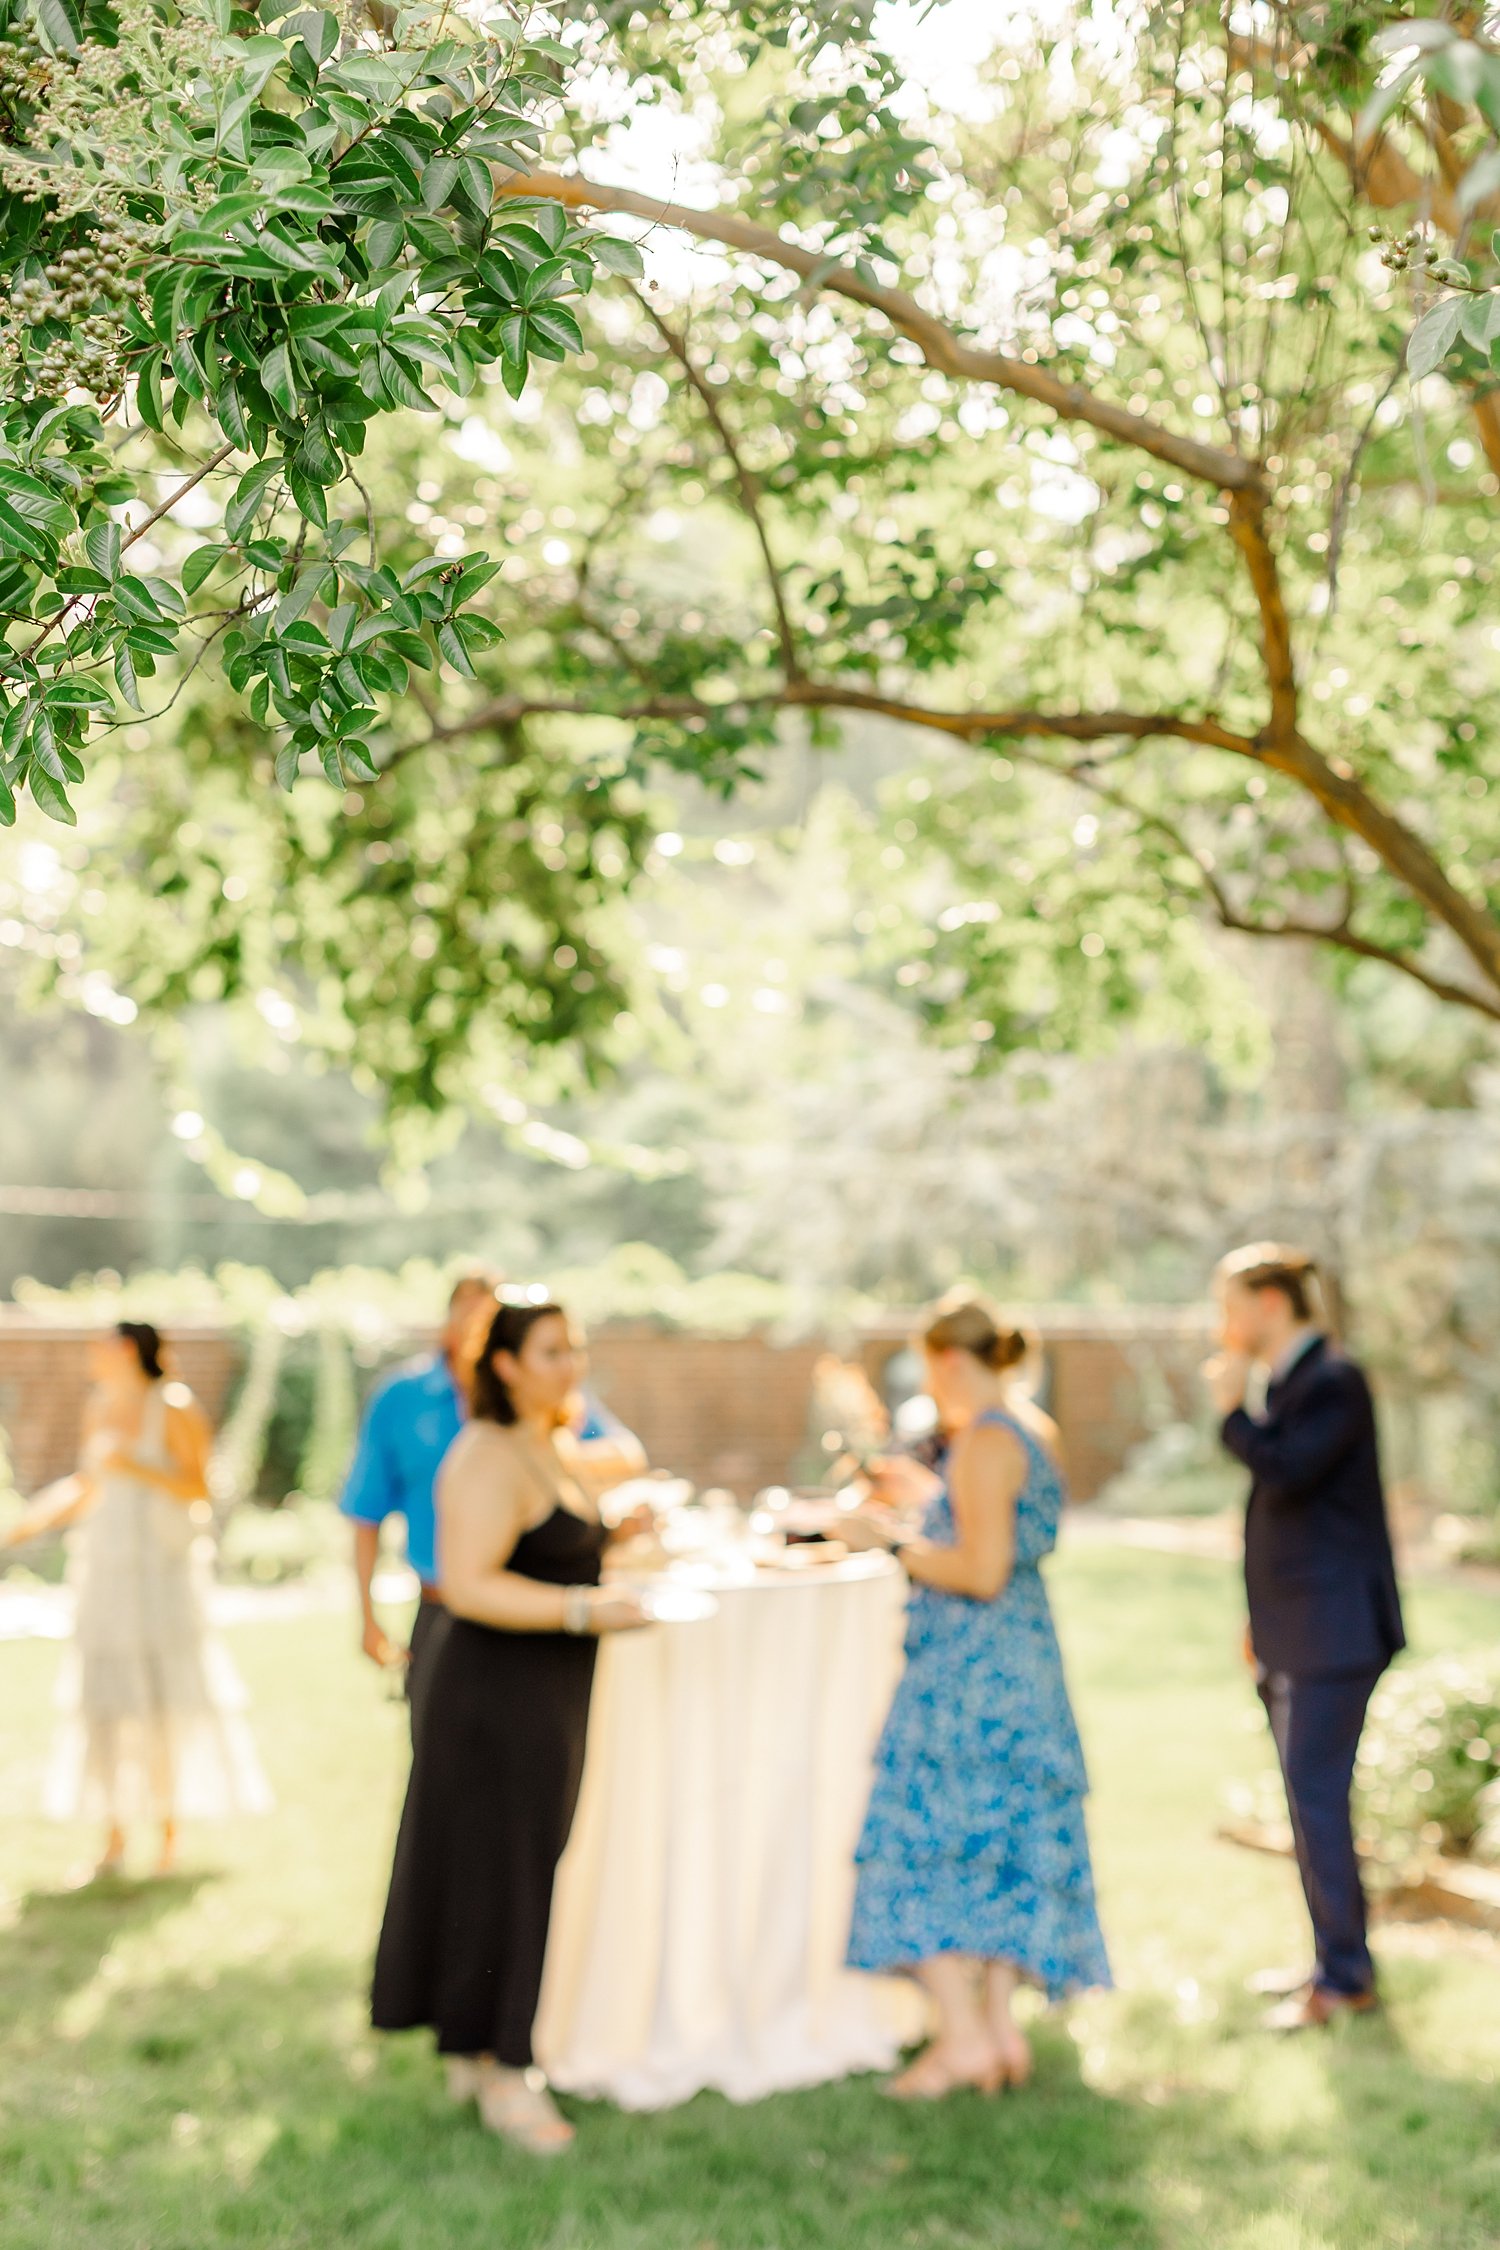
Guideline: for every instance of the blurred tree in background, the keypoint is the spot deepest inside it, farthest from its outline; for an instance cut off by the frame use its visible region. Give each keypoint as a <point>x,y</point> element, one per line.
<point>1030,380</point>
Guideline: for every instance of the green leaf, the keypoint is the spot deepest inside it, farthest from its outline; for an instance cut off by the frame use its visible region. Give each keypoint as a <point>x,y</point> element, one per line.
<point>478,183</point>
<point>288,760</point>
<point>438,181</point>
<point>148,392</point>
<point>555,325</point>
<point>19,538</point>
<point>308,496</point>
<point>125,676</point>
<point>616,256</point>
<point>44,746</point>
<point>231,414</point>
<point>49,793</point>
<point>451,644</point>
<point>248,495</point>
<point>1433,337</point>
<point>1481,321</point>
<point>357,762</point>
<point>302,596</point>
<point>399,383</point>
<point>278,380</point>
<point>7,804</point>
<point>383,243</point>
<point>61,26</point>
<point>101,543</point>
<point>37,503</point>
<point>77,695</point>
<point>201,564</point>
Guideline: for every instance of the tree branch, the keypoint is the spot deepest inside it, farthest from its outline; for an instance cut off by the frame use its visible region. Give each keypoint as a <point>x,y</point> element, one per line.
<point>1346,941</point>
<point>811,695</point>
<point>131,537</point>
<point>942,350</point>
<point>1247,524</point>
<point>1337,934</point>
<point>749,486</point>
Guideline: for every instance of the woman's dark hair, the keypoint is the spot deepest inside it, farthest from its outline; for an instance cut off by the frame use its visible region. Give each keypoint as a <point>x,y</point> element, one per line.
<point>147,1344</point>
<point>967,1323</point>
<point>512,1324</point>
<point>1276,1265</point>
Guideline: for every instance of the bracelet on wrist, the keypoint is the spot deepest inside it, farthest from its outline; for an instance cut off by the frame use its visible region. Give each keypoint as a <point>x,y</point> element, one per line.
<point>577,1609</point>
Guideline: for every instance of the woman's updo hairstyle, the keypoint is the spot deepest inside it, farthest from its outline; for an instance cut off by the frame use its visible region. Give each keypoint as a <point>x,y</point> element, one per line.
<point>971,1324</point>
<point>508,1332</point>
<point>147,1342</point>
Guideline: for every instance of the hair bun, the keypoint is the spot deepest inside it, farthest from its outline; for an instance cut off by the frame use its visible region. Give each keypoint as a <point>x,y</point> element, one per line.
<point>969,1323</point>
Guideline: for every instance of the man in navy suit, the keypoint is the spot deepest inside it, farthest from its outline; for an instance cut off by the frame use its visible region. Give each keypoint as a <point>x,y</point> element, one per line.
<point>1325,1614</point>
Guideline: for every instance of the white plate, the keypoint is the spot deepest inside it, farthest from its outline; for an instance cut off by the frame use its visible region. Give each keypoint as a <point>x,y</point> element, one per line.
<point>667,1604</point>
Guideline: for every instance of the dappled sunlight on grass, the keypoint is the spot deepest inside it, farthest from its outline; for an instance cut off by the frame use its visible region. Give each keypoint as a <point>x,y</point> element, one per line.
<point>188,2062</point>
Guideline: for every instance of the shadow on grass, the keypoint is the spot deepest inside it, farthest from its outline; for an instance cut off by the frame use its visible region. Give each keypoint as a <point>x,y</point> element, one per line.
<point>55,1942</point>
<point>256,2109</point>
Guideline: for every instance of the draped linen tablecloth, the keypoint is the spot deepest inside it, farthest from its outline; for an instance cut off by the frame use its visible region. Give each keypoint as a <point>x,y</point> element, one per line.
<point>703,1904</point>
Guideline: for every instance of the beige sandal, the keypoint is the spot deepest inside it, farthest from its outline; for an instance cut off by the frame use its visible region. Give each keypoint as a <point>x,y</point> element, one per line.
<point>516,2105</point>
<point>931,2077</point>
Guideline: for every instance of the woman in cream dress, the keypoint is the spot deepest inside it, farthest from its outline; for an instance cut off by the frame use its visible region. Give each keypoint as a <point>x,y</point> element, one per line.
<point>153,1711</point>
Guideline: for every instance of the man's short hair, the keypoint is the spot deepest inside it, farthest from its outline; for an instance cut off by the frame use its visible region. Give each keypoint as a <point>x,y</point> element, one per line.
<point>478,1281</point>
<point>1276,1265</point>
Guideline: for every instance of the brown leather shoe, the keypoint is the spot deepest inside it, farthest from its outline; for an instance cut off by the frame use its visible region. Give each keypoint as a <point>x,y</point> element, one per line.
<point>1317,2007</point>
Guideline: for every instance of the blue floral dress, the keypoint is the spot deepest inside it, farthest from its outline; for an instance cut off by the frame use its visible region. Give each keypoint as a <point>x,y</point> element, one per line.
<point>974,1841</point>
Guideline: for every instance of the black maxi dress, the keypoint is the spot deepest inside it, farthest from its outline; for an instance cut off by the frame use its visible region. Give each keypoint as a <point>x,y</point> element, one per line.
<point>496,1766</point>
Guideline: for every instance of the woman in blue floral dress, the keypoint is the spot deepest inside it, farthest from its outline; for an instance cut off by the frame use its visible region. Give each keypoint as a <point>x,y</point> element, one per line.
<point>974,1868</point>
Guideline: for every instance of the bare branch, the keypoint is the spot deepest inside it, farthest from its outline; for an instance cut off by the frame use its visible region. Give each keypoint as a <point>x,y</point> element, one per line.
<point>1337,934</point>
<point>1346,941</point>
<point>942,350</point>
<point>809,695</point>
<point>749,486</point>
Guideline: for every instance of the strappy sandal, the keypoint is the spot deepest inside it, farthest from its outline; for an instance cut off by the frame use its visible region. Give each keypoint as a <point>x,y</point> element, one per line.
<point>520,2109</point>
<point>929,2078</point>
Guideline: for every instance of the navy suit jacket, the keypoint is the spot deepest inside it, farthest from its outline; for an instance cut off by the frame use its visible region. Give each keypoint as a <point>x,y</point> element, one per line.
<point>1319,1572</point>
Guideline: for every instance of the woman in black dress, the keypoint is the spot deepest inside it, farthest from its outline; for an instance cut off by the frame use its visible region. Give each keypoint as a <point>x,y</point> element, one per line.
<point>499,1750</point>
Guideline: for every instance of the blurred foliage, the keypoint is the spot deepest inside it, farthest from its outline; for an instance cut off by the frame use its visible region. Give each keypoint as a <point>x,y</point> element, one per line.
<point>1099,198</point>
<point>1431,1748</point>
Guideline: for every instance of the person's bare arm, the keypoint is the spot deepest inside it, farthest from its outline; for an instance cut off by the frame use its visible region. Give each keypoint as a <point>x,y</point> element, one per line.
<point>601,1463</point>
<point>483,1502</point>
<point>374,1640</point>
<point>53,1509</point>
<point>186,1434</point>
<point>987,1473</point>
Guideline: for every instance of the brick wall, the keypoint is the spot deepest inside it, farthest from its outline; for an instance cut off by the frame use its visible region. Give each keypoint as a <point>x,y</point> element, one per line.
<point>731,1411</point>
<point>1110,1376</point>
<point>44,1382</point>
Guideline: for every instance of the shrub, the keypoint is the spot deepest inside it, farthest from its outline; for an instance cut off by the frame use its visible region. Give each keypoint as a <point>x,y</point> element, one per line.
<point>1430,1760</point>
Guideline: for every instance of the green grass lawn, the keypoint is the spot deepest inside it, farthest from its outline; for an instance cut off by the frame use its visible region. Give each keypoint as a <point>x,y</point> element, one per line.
<point>186,2063</point>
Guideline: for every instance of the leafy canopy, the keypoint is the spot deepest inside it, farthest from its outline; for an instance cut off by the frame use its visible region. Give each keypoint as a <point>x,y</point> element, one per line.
<point>255,233</point>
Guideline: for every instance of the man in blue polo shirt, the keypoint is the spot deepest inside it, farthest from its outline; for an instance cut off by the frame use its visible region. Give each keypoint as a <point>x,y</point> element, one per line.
<point>409,1425</point>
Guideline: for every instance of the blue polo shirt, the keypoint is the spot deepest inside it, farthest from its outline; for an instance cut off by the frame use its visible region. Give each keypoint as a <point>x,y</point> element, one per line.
<point>410,1422</point>
<point>409,1425</point>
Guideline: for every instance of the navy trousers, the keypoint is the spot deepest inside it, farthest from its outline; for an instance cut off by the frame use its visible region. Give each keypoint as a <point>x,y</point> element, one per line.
<point>1316,1724</point>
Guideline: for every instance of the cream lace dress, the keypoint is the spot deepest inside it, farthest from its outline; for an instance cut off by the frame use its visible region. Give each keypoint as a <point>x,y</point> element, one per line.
<point>153,1710</point>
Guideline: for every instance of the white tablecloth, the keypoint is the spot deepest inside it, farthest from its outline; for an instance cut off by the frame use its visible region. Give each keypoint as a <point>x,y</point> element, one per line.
<point>702,1908</point>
